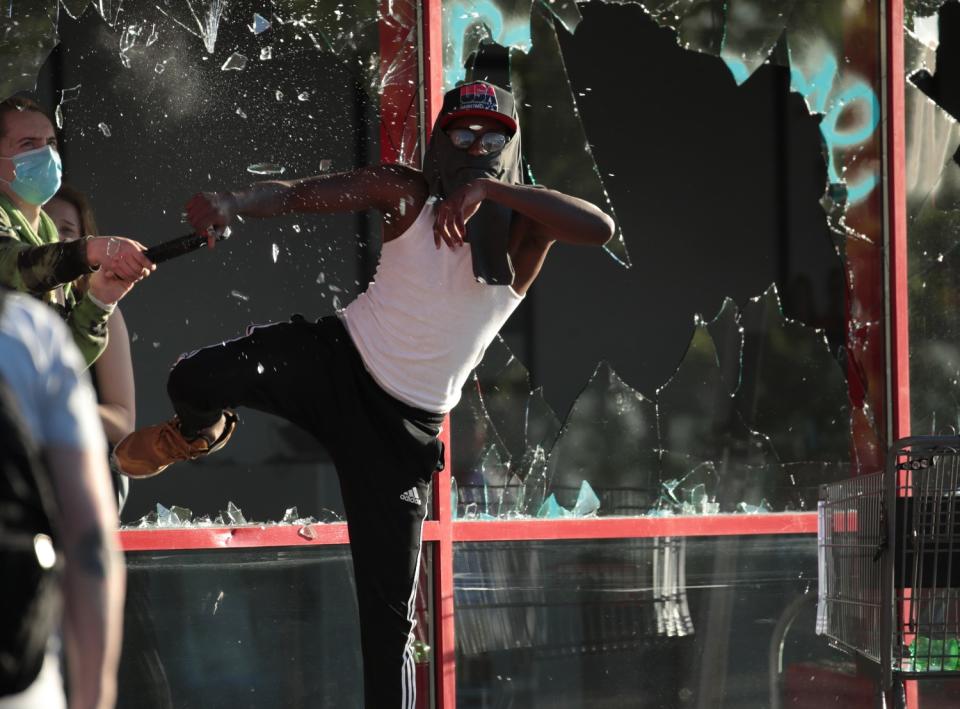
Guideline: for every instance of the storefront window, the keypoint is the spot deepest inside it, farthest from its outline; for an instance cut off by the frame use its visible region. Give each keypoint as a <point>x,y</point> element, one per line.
<point>931,42</point>
<point>725,353</point>
<point>261,627</point>
<point>667,622</point>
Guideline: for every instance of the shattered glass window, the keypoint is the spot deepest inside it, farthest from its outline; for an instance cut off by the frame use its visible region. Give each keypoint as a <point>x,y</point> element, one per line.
<point>932,56</point>
<point>724,352</point>
<point>156,101</point>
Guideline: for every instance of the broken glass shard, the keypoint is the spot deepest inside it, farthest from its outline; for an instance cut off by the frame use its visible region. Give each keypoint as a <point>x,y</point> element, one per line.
<point>241,113</point>
<point>751,30</point>
<point>551,509</point>
<point>260,24</point>
<point>266,168</point>
<point>234,515</point>
<point>303,96</point>
<point>325,164</point>
<point>235,62</point>
<point>703,440</point>
<point>105,129</point>
<point>239,296</point>
<point>275,252</point>
<point>66,96</point>
<point>278,95</point>
<point>749,509</point>
<point>148,520</point>
<point>201,18</point>
<point>566,12</point>
<point>108,9</point>
<point>534,483</point>
<point>266,53</point>
<point>547,107</point>
<point>71,94</point>
<point>588,504</point>
<point>610,440</point>
<point>307,532</point>
<point>160,67</point>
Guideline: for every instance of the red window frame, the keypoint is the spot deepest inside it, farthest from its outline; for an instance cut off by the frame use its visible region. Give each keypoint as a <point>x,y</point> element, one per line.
<point>399,127</point>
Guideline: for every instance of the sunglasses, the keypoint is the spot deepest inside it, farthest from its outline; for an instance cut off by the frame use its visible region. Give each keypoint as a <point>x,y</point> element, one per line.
<point>490,142</point>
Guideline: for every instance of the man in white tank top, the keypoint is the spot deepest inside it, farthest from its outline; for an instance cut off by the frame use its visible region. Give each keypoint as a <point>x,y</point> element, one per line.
<point>463,241</point>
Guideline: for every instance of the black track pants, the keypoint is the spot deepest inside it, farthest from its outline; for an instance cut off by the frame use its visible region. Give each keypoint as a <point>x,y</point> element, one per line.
<point>385,453</point>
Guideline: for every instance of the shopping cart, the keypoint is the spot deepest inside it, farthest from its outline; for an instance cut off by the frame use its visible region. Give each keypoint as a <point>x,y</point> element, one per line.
<point>889,564</point>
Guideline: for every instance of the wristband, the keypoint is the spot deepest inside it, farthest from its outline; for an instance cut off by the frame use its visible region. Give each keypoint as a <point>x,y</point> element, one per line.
<point>106,307</point>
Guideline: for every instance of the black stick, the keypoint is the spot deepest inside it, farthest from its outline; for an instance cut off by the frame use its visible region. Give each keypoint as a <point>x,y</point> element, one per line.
<point>180,246</point>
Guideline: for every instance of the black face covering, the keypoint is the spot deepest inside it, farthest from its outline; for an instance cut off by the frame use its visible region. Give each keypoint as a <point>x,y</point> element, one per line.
<point>446,168</point>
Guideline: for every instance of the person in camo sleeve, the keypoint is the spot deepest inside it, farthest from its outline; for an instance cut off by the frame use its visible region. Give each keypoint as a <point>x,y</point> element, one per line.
<point>32,258</point>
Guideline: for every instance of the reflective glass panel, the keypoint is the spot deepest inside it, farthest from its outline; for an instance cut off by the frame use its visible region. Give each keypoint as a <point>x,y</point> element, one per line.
<point>258,628</point>
<point>932,51</point>
<point>666,622</point>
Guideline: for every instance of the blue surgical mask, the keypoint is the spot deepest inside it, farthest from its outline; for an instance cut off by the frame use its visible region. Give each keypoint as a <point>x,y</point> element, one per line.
<point>38,174</point>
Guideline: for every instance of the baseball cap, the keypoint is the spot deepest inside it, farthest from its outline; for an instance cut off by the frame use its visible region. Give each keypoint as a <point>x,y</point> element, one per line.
<point>479,98</point>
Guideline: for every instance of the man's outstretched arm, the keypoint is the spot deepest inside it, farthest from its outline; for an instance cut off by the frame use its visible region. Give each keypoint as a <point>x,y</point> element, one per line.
<point>558,216</point>
<point>382,187</point>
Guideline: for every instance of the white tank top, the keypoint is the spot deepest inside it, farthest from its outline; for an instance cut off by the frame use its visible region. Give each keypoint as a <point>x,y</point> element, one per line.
<point>424,321</point>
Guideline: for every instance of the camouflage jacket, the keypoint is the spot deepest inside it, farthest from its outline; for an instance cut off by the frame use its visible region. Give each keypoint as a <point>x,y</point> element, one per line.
<point>40,264</point>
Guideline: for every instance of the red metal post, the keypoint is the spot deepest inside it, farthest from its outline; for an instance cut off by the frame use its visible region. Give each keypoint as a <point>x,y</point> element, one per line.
<point>899,353</point>
<point>896,214</point>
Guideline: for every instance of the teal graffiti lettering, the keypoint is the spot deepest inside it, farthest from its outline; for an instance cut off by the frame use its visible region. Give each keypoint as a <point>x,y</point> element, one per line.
<point>817,91</point>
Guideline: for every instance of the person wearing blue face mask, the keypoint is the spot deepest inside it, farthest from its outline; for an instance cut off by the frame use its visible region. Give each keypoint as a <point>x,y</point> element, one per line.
<point>32,258</point>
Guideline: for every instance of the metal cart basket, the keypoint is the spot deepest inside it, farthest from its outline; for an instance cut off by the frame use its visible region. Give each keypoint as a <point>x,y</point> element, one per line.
<point>889,563</point>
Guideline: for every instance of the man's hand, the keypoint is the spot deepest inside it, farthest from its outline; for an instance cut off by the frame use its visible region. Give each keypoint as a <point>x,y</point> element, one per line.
<point>108,288</point>
<point>210,212</point>
<point>450,225</point>
<point>119,257</point>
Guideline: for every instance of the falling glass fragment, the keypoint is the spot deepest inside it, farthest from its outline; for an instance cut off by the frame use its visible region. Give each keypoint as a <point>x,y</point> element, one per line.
<point>266,53</point>
<point>325,165</point>
<point>241,113</point>
<point>239,296</point>
<point>160,67</point>
<point>66,96</point>
<point>279,95</point>
<point>303,96</point>
<point>105,129</point>
<point>275,252</point>
<point>260,24</point>
<point>235,62</point>
<point>266,168</point>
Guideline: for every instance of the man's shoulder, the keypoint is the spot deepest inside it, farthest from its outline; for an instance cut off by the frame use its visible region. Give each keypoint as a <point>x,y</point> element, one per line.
<point>402,184</point>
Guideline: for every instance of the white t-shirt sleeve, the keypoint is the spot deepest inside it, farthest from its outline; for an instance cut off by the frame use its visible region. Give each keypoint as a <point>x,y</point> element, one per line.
<point>44,369</point>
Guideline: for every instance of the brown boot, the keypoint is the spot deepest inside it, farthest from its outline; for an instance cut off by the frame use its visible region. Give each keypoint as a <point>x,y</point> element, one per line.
<point>153,449</point>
